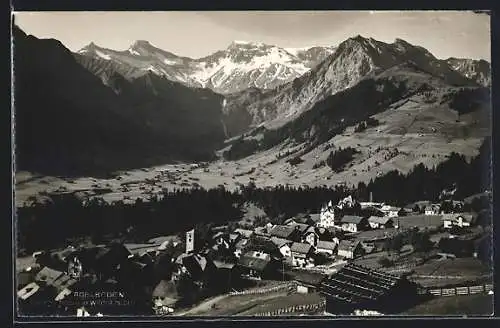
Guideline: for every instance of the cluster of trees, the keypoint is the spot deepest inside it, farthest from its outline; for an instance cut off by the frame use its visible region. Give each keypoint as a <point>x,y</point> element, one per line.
<point>241,148</point>
<point>423,183</point>
<point>362,126</point>
<point>336,160</point>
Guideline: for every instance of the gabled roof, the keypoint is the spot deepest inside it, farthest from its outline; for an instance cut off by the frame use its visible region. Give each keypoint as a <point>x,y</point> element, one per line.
<point>315,217</point>
<point>253,263</point>
<point>469,217</point>
<point>348,245</point>
<point>379,220</point>
<point>301,248</point>
<point>351,219</point>
<point>244,232</point>
<point>282,231</point>
<point>301,227</point>
<point>280,241</point>
<point>48,275</point>
<point>241,243</point>
<point>330,245</point>
<point>223,265</point>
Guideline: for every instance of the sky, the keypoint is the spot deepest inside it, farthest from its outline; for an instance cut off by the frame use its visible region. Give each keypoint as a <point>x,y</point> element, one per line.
<point>193,34</point>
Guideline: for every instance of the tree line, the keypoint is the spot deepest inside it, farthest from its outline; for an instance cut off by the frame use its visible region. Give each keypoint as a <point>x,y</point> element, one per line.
<point>66,218</point>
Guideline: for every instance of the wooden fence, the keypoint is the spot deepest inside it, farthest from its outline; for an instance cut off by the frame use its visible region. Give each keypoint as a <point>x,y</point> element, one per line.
<point>303,308</point>
<point>292,286</point>
<point>464,290</point>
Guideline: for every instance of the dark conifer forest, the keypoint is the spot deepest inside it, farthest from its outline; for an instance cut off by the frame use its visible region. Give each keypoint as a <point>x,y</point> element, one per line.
<point>65,219</point>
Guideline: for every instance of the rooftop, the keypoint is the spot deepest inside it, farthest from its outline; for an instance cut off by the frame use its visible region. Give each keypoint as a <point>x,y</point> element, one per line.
<point>326,245</point>
<point>351,219</point>
<point>301,248</point>
<point>282,231</point>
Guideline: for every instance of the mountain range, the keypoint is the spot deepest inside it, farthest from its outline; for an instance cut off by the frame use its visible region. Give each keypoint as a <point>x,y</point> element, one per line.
<point>107,109</point>
<point>240,66</point>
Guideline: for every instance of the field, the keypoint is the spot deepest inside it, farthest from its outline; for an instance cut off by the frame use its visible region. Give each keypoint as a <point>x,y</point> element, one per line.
<point>440,272</point>
<point>418,133</point>
<point>470,305</point>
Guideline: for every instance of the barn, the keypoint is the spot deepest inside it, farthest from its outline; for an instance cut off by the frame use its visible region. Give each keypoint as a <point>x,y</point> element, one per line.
<point>356,287</point>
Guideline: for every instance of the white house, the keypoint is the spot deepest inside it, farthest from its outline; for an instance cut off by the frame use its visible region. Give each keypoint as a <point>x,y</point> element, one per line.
<point>283,245</point>
<point>350,249</point>
<point>350,223</point>
<point>377,222</point>
<point>326,247</point>
<point>327,216</point>
<point>432,209</point>
<point>302,254</point>
<point>460,220</point>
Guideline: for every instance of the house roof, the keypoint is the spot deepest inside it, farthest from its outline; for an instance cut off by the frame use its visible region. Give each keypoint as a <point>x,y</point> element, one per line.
<point>280,241</point>
<point>307,277</point>
<point>351,219</point>
<point>161,239</point>
<point>138,248</point>
<point>379,220</point>
<point>233,236</point>
<point>301,248</point>
<point>301,227</point>
<point>348,245</point>
<point>244,232</point>
<point>282,231</point>
<point>469,217</point>
<point>315,217</point>
<point>377,234</point>
<point>241,243</point>
<point>289,221</point>
<point>330,245</point>
<point>354,284</point>
<point>223,265</point>
<point>48,275</point>
<point>253,263</point>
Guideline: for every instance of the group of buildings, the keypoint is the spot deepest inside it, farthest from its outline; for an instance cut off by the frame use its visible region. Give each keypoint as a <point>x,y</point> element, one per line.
<point>158,274</point>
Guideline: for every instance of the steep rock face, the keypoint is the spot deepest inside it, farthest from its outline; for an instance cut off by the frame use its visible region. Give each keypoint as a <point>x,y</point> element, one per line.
<point>477,70</point>
<point>353,60</point>
<point>69,122</point>
<point>242,65</point>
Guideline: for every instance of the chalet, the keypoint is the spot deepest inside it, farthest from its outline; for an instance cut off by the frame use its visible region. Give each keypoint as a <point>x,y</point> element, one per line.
<point>162,242</point>
<point>350,249</point>
<point>221,239</point>
<point>239,246</point>
<point>326,247</point>
<point>458,220</point>
<point>140,249</point>
<point>391,211</point>
<point>244,232</point>
<point>165,294</point>
<point>352,223</point>
<point>257,265</point>
<point>234,238</point>
<point>375,238</point>
<point>356,287</point>
<point>377,222</point>
<point>432,209</point>
<point>302,254</point>
<point>47,276</point>
<point>283,246</point>
<point>198,267</point>
<point>310,236</point>
<point>285,232</point>
<point>307,281</point>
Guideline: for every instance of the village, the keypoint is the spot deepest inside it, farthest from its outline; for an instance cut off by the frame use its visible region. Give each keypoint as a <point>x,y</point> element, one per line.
<point>345,257</point>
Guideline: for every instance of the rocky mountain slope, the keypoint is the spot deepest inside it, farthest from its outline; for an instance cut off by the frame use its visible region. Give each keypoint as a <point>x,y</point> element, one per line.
<point>68,121</point>
<point>372,95</point>
<point>355,59</point>
<point>477,70</point>
<point>240,66</point>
